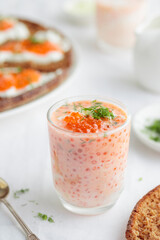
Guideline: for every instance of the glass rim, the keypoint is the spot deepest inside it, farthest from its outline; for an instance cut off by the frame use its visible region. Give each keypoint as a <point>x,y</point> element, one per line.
<point>88,97</point>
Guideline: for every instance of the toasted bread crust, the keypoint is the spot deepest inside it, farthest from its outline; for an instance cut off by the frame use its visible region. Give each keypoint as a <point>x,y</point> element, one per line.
<point>142,216</point>
<point>28,96</point>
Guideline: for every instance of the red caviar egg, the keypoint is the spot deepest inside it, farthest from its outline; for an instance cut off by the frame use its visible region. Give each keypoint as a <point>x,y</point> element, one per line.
<point>27,45</point>
<point>13,46</point>
<point>4,25</point>
<point>6,81</point>
<point>41,47</point>
<point>26,77</point>
<point>18,80</point>
<point>77,122</point>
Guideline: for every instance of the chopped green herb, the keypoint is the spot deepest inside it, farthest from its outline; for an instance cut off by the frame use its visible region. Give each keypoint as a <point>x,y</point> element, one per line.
<point>91,140</point>
<point>153,130</point>
<point>65,105</point>
<point>74,107</point>
<point>45,217</point>
<point>140,179</point>
<point>96,103</point>
<point>98,112</point>
<point>35,40</point>
<point>156,139</point>
<point>50,220</point>
<point>105,135</point>
<point>42,216</point>
<point>155,127</point>
<point>82,141</point>
<point>20,192</point>
<point>19,69</point>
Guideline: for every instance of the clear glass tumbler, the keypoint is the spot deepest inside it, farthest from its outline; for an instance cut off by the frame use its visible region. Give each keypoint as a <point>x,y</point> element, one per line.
<point>116,21</point>
<point>88,168</point>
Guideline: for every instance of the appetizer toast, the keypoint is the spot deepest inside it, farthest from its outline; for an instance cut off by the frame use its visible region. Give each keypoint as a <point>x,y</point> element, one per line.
<point>33,61</point>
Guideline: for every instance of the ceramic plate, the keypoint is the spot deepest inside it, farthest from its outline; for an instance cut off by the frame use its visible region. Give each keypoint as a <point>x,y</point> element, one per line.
<point>144,118</point>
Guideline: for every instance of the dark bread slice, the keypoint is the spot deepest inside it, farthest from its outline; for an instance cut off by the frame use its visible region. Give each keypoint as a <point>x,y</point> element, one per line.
<point>144,222</point>
<point>30,95</point>
<point>64,63</point>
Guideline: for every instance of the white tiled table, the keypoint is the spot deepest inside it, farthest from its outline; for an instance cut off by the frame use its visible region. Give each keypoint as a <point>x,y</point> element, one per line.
<point>24,151</point>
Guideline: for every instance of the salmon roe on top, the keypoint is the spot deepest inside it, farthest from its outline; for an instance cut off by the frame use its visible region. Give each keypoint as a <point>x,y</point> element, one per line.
<point>76,122</point>
<point>5,25</point>
<point>28,45</point>
<point>18,80</point>
<point>6,81</point>
<point>40,47</point>
<point>89,117</point>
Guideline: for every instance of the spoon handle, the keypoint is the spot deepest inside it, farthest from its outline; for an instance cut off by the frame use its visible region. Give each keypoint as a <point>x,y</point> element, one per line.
<point>29,233</point>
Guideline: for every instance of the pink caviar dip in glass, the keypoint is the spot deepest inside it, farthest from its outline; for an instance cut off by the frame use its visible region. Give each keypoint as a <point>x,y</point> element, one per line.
<point>88,155</point>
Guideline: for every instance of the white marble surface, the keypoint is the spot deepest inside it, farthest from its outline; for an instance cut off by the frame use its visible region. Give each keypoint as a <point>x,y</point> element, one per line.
<point>24,150</point>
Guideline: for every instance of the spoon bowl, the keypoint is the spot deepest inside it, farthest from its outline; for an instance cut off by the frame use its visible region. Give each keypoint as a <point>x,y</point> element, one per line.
<point>4,189</point>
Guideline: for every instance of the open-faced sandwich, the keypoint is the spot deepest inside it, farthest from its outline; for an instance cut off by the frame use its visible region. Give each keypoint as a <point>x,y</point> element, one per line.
<point>33,61</point>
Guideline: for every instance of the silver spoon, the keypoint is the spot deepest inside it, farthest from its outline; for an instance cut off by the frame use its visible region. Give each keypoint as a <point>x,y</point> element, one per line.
<point>4,190</point>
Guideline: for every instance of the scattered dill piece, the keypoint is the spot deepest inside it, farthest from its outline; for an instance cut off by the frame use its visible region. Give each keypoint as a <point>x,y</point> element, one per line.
<point>36,40</point>
<point>74,107</point>
<point>20,192</point>
<point>91,140</point>
<point>82,141</point>
<point>23,205</point>
<point>105,135</point>
<point>82,119</point>
<point>19,69</point>
<point>140,179</point>
<point>50,220</point>
<point>44,217</point>
<point>65,105</point>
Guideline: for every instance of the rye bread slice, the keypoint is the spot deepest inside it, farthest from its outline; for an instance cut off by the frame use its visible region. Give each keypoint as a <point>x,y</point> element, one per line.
<point>144,222</point>
<point>64,63</point>
<point>7,103</point>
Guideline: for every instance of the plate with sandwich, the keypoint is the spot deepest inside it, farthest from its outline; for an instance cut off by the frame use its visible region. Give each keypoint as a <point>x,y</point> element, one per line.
<point>35,60</point>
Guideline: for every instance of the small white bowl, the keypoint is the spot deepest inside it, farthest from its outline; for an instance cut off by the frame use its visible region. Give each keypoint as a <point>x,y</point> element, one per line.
<point>80,11</point>
<point>143,118</point>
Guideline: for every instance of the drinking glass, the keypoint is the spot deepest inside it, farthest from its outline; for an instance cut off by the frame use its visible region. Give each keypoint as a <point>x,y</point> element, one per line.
<point>116,21</point>
<point>88,168</point>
